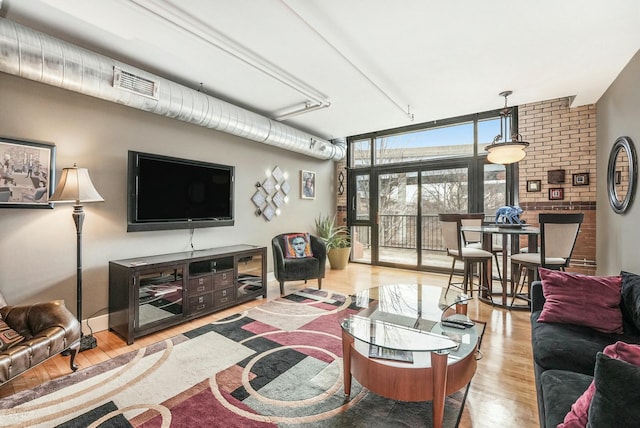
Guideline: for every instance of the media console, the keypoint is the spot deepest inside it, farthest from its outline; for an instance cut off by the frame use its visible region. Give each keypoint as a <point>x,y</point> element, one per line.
<point>147,294</point>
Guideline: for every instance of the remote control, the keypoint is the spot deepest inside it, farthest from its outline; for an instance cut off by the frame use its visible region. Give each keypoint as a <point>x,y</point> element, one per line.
<point>453,324</point>
<point>465,322</point>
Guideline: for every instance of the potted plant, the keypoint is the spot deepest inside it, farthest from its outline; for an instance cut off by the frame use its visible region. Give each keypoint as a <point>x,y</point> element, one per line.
<point>337,240</point>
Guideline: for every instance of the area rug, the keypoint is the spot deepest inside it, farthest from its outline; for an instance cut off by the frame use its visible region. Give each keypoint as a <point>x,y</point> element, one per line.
<point>276,365</point>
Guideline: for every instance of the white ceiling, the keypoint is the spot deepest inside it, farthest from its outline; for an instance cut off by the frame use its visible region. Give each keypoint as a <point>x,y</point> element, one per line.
<point>371,61</point>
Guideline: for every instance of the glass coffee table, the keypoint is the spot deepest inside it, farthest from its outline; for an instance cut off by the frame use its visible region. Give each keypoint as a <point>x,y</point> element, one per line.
<point>395,345</point>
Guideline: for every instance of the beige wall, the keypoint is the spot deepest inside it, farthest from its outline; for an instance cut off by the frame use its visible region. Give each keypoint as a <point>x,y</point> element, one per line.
<point>38,247</point>
<point>618,236</point>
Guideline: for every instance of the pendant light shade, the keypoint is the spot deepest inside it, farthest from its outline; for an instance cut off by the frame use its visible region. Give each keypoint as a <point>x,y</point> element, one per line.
<point>506,152</point>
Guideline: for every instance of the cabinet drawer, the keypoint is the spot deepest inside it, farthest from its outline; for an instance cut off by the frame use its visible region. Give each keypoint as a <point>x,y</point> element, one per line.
<point>223,279</point>
<point>200,284</point>
<point>223,297</point>
<point>200,303</point>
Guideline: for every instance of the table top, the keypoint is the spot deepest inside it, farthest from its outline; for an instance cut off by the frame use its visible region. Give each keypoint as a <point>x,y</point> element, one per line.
<point>406,317</point>
<point>510,229</point>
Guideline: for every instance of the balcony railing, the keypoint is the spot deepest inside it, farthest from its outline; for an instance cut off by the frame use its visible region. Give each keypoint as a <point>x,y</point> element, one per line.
<point>399,231</point>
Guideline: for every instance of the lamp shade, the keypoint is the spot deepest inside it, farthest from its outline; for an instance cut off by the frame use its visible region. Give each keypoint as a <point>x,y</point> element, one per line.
<point>506,153</point>
<point>75,186</point>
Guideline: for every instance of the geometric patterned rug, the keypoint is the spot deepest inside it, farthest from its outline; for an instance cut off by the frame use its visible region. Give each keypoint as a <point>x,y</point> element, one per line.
<point>276,365</point>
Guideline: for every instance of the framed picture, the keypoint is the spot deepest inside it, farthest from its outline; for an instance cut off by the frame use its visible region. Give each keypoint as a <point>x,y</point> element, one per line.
<point>555,176</point>
<point>556,193</point>
<point>307,184</point>
<point>27,173</point>
<point>534,185</point>
<point>618,177</point>
<point>581,179</point>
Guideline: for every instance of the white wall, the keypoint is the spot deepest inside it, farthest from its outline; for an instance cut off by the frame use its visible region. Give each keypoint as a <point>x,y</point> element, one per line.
<point>38,247</point>
<point>618,113</point>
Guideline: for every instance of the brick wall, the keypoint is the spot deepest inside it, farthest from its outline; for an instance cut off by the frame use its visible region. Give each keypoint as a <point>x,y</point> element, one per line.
<point>564,138</point>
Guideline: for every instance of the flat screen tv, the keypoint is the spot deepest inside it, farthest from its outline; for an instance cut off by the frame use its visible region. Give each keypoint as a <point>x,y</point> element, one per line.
<point>173,193</point>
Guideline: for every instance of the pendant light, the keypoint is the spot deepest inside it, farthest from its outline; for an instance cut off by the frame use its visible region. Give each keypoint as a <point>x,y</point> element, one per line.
<point>506,152</point>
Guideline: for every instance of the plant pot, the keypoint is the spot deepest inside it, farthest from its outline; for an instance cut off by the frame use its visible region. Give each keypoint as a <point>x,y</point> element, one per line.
<point>339,257</point>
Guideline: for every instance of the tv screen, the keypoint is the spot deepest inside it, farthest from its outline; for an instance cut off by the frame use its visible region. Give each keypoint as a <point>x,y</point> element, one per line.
<point>172,193</point>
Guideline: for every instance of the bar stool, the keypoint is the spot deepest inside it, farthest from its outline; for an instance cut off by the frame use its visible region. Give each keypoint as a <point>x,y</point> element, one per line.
<point>451,225</point>
<point>558,235</point>
<point>474,239</point>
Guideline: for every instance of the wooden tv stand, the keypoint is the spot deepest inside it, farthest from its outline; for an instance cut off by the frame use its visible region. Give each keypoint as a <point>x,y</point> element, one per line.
<point>147,294</point>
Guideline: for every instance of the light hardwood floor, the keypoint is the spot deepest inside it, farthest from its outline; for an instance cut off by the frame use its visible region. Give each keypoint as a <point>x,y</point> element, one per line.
<point>502,391</point>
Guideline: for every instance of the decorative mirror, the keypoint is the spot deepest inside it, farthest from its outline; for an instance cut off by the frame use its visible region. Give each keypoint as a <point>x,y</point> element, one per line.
<point>622,174</point>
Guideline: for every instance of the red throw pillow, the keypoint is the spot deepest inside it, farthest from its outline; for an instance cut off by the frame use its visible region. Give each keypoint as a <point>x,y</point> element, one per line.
<point>8,336</point>
<point>297,245</point>
<point>592,301</point>
<point>579,413</point>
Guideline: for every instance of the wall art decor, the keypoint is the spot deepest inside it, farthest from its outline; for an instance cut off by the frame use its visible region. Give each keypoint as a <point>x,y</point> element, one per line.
<point>27,173</point>
<point>556,194</point>
<point>534,185</point>
<point>581,179</point>
<point>341,183</point>
<point>271,195</point>
<point>555,176</point>
<point>307,184</point>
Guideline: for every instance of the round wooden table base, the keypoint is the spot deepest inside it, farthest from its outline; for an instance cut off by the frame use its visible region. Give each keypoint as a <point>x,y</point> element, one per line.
<point>408,383</point>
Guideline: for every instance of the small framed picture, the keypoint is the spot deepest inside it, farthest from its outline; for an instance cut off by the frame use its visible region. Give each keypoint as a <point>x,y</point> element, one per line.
<point>618,177</point>
<point>534,185</point>
<point>555,176</point>
<point>581,179</point>
<point>307,184</point>
<point>556,194</point>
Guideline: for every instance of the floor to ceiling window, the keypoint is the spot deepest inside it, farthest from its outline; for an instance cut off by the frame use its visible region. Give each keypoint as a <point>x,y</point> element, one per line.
<point>399,180</point>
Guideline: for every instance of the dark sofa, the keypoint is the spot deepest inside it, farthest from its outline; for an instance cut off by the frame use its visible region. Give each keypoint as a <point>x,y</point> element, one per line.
<point>564,358</point>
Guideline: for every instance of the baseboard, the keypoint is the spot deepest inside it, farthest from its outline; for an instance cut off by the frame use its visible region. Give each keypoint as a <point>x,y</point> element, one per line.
<point>101,322</point>
<point>98,323</point>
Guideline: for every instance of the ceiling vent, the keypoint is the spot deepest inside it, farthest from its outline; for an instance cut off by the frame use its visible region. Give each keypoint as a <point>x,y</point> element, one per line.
<point>130,82</point>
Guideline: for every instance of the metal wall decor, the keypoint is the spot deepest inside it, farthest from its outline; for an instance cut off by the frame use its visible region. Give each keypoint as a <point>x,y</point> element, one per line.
<point>271,194</point>
<point>341,183</point>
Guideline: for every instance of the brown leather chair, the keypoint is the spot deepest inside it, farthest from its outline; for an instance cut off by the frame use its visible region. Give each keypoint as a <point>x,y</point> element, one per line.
<point>48,329</point>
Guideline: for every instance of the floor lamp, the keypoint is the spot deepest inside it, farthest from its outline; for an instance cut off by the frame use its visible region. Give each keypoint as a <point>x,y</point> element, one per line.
<point>75,186</point>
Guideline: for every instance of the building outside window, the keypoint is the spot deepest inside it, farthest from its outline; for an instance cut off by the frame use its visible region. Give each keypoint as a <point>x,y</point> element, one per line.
<point>400,179</point>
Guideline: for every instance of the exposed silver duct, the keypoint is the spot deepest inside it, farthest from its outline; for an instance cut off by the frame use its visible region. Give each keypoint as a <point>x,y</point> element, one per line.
<point>37,56</point>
